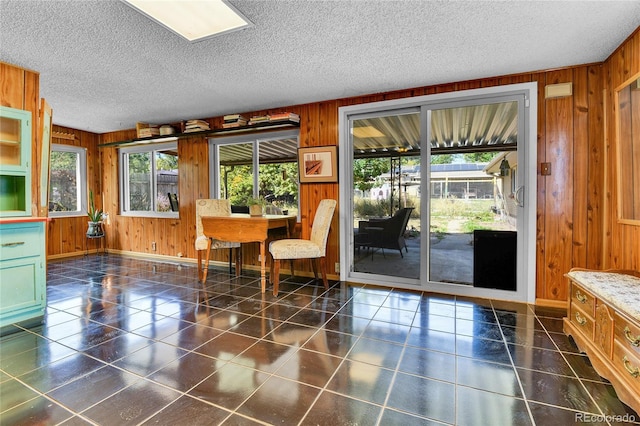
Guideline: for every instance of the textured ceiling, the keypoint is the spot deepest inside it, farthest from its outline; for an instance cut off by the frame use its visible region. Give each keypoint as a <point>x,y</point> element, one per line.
<point>103,66</point>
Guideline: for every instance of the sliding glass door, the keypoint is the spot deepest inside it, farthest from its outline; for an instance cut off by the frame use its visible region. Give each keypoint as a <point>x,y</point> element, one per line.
<point>472,211</point>
<point>437,194</point>
<point>386,194</point>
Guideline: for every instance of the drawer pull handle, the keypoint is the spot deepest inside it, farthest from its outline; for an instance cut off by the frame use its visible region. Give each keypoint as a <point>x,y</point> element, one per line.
<point>581,297</point>
<point>635,341</point>
<point>634,371</point>
<point>581,320</point>
<point>17,243</point>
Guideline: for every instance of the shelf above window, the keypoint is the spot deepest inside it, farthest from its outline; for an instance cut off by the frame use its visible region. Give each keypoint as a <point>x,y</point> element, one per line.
<point>211,133</point>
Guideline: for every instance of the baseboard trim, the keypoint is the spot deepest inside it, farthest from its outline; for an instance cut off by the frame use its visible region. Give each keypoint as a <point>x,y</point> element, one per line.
<point>176,259</point>
<point>69,254</point>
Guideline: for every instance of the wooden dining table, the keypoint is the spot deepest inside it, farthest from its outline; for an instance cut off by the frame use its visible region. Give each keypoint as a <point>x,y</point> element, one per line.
<point>244,228</point>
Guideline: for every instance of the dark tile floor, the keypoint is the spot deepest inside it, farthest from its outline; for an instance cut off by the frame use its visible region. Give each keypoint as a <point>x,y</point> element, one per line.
<point>129,341</point>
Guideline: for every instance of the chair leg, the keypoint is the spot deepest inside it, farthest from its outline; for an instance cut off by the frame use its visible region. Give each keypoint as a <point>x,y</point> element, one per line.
<point>206,263</point>
<point>199,264</point>
<point>230,259</point>
<point>323,271</point>
<point>314,267</point>
<point>276,276</point>
<point>271,267</point>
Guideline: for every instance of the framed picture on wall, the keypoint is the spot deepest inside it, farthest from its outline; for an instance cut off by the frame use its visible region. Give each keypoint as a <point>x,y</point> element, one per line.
<point>318,164</point>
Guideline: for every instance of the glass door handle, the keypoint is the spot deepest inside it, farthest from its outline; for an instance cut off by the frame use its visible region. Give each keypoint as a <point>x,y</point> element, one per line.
<point>517,195</point>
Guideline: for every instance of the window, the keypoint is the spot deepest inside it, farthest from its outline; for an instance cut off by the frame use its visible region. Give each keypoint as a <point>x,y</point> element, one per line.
<point>68,181</point>
<point>258,165</point>
<point>149,180</point>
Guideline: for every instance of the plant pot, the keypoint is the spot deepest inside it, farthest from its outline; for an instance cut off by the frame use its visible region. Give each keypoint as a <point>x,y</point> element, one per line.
<point>95,229</point>
<point>255,210</point>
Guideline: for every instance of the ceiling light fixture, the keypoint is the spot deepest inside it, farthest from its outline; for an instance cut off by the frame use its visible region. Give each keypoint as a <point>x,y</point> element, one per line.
<point>193,20</point>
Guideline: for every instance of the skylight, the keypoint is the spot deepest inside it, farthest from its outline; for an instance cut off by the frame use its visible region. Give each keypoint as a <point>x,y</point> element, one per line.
<point>193,20</point>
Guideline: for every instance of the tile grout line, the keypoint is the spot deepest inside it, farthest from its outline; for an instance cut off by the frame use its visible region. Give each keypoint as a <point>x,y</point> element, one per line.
<point>601,412</point>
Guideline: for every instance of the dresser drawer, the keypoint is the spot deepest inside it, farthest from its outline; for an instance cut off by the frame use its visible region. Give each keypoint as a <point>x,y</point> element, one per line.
<point>628,364</point>
<point>582,298</point>
<point>20,241</point>
<point>581,320</point>
<point>627,332</point>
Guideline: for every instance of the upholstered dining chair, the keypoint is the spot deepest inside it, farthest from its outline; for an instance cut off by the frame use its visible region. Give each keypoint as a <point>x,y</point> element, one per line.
<point>297,248</point>
<point>214,207</point>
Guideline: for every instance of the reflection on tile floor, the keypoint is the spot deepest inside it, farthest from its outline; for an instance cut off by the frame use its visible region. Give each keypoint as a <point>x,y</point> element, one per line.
<point>130,341</point>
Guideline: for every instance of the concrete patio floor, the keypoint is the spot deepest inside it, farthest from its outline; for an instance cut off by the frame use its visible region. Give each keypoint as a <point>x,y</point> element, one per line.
<point>451,259</point>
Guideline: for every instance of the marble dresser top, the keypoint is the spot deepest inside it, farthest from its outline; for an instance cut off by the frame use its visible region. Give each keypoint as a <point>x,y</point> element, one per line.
<point>619,290</point>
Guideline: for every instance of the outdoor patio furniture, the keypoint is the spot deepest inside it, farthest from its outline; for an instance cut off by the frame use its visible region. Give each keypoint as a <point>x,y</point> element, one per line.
<point>364,237</point>
<point>387,233</point>
<point>239,209</point>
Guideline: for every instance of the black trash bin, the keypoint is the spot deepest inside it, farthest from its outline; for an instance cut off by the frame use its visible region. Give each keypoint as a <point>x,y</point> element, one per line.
<point>494,259</point>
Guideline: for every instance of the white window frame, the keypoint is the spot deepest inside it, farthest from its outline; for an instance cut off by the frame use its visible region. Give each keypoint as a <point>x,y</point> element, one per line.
<point>123,171</point>
<point>81,178</point>
<point>527,157</point>
<point>255,139</point>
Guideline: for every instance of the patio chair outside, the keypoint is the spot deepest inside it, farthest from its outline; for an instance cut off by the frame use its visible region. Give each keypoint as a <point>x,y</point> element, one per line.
<point>387,233</point>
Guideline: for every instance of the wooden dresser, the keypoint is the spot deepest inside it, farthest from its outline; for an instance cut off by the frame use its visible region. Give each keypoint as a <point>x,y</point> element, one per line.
<point>604,320</point>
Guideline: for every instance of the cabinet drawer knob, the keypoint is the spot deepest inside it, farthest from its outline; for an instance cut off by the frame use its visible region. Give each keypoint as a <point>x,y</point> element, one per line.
<point>17,243</point>
<point>634,371</point>
<point>635,341</point>
<point>581,320</point>
<point>581,297</point>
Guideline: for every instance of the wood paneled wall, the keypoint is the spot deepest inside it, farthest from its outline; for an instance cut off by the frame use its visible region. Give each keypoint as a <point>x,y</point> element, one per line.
<point>576,223</point>
<point>621,248</point>
<point>20,89</point>
<point>67,235</point>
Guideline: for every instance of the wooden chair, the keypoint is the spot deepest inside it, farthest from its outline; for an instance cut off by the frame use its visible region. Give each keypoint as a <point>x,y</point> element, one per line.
<point>297,248</point>
<point>214,207</point>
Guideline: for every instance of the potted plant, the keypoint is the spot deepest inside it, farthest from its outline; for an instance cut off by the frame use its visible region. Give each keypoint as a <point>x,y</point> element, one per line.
<point>95,219</point>
<point>256,206</point>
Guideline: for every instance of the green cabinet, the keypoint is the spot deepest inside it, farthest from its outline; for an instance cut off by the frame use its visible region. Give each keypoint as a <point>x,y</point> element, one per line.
<point>22,237</point>
<point>22,272</point>
<point>15,159</point>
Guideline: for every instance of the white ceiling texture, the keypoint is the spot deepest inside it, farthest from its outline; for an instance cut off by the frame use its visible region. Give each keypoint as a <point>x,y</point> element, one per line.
<point>104,66</point>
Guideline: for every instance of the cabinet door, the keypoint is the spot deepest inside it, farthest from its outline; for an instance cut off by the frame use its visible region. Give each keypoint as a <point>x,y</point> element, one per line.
<point>22,272</point>
<point>15,139</point>
<point>15,159</point>
<point>21,292</point>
